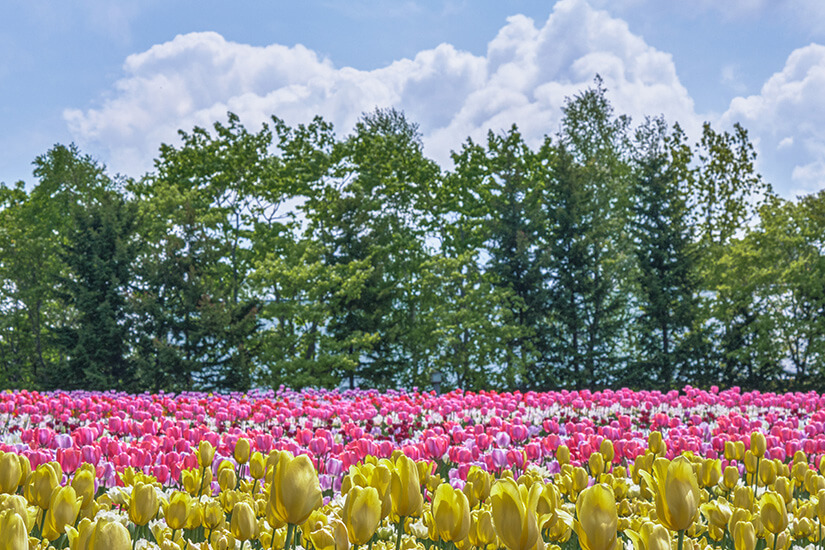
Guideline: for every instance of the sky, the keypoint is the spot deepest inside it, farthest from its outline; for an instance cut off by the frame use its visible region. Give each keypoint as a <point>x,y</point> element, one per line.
<point>120,78</point>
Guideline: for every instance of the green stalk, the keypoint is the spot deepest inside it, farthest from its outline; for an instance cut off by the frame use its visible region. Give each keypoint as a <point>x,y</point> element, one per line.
<point>399,533</point>
<point>681,539</point>
<point>290,528</point>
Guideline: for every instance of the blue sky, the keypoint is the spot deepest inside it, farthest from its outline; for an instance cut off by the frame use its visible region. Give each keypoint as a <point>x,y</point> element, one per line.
<point>119,78</point>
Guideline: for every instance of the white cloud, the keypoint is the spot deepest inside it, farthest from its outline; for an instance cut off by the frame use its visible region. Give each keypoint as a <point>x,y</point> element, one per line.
<point>787,118</point>
<point>524,77</point>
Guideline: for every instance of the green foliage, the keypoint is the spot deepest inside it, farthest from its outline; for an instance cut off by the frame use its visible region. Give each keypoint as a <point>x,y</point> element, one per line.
<point>607,255</point>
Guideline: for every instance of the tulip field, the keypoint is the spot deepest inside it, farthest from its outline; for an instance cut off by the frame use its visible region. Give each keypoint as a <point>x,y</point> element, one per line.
<point>383,471</point>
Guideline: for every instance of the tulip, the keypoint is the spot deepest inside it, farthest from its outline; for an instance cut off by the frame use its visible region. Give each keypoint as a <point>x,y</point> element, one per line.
<point>227,479</point>
<point>711,472</point>
<point>10,472</point>
<point>257,466</point>
<point>241,452</point>
<point>655,443</point>
<point>596,464</point>
<point>295,489</point>
<point>109,535</point>
<point>744,536</point>
<point>43,481</point>
<point>83,483</point>
<point>772,512</point>
<point>650,537</point>
<point>758,444</point>
<point>178,510</point>
<point>607,450</point>
<point>243,524</point>
<point>206,453</point>
<point>451,512</point>
<point>482,531</point>
<point>406,489</point>
<point>767,473</point>
<point>64,506</point>
<point>730,477</point>
<point>563,455</point>
<point>597,518</point>
<point>676,491</point>
<point>361,514</point>
<point>482,482</point>
<point>514,519</point>
<point>15,536</point>
<point>143,504</point>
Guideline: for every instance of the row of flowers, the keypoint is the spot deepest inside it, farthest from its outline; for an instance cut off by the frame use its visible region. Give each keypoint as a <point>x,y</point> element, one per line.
<point>329,470</point>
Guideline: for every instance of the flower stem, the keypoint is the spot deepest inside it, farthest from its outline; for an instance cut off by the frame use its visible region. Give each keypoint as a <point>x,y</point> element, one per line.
<point>398,534</point>
<point>681,539</point>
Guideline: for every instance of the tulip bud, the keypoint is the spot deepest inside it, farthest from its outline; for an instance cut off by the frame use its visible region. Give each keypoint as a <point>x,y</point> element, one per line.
<point>772,512</point>
<point>730,450</point>
<point>598,519</point>
<point>257,466</point>
<point>563,455</point>
<point>758,444</point>
<point>580,479</point>
<point>15,534</point>
<point>243,524</point>
<point>206,453</point>
<point>143,504</point>
<point>361,514</point>
<point>227,479</point>
<point>242,449</point>
<point>711,472</point>
<point>109,535</point>
<point>295,489</point>
<point>10,472</point>
<point>607,450</point>
<point>744,536</point>
<point>178,509</point>
<point>655,443</point>
<point>730,478</point>
<point>451,512</point>
<point>406,490</point>
<point>767,473</point>
<point>596,464</point>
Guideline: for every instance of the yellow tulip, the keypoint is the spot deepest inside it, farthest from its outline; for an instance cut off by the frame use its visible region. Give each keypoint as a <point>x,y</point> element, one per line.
<point>84,485</point>
<point>10,472</point>
<point>295,491</point>
<point>330,537</point>
<point>743,498</point>
<point>15,536</point>
<point>43,481</point>
<point>451,512</point>
<point>655,443</point>
<point>676,492</point>
<point>607,450</point>
<point>751,462</point>
<point>730,450</point>
<point>257,466</point>
<point>563,455</point>
<point>243,524</point>
<point>580,479</point>
<point>109,535</point>
<point>206,453</point>
<point>406,489</point>
<point>361,514</point>
<point>482,531</point>
<point>744,536</point>
<point>711,472</point>
<point>63,509</point>
<point>178,510</point>
<point>650,537</point>
<point>191,481</point>
<point>773,513</point>
<point>596,464</point>
<point>227,479</point>
<point>143,504</point>
<point>241,452</point>
<point>213,515</point>
<point>482,482</point>
<point>758,444</point>
<point>381,480</point>
<point>731,477</point>
<point>767,473</point>
<point>514,518</point>
<point>717,512</point>
<point>597,518</point>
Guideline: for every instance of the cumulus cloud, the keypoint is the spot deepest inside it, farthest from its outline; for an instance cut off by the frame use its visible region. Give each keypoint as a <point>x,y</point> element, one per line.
<point>523,78</point>
<point>788,121</point>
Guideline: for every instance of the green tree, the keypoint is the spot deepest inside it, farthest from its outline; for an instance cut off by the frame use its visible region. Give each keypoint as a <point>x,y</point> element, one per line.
<point>99,251</point>
<point>666,278</point>
<point>588,253</point>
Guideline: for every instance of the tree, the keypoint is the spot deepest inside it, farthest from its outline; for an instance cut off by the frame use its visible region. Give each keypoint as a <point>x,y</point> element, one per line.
<point>588,253</point>
<point>666,279</point>
<point>99,251</point>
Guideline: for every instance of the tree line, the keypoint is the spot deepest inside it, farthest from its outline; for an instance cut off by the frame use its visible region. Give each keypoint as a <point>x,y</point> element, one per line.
<point>611,254</point>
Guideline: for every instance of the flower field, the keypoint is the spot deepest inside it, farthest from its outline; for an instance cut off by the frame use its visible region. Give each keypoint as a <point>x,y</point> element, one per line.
<point>323,470</point>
